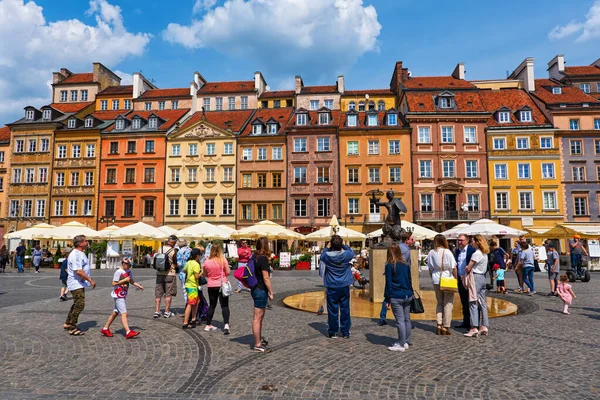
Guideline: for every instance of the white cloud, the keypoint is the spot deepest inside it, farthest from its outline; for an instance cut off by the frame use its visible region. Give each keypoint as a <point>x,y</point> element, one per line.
<point>327,35</point>
<point>31,48</point>
<point>589,29</point>
<point>203,5</point>
<point>126,79</point>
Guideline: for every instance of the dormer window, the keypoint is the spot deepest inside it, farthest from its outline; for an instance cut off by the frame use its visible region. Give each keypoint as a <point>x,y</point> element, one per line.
<point>372,120</point>
<point>557,90</point>
<point>256,129</point>
<point>153,122</point>
<point>137,123</point>
<point>47,114</point>
<point>444,102</point>
<point>392,119</point>
<point>323,118</point>
<point>71,123</point>
<point>120,124</point>
<point>301,119</point>
<point>29,114</point>
<point>351,106</point>
<point>89,122</point>
<point>525,116</point>
<point>371,105</point>
<point>361,106</point>
<point>503,117</point>
<point>272,129</point>
<point>352,119</point>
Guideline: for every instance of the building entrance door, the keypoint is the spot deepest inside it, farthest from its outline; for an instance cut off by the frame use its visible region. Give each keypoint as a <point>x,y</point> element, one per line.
<point>450,210</point>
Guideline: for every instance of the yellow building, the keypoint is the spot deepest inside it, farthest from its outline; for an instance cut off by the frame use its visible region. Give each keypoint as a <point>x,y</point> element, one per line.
<point>370,99</point>
<point>523,161</point>
<point>201,169</point>
<point>276,99</point>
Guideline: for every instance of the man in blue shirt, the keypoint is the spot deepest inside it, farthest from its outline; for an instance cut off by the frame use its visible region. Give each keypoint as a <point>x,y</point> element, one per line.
<point>463,257</point>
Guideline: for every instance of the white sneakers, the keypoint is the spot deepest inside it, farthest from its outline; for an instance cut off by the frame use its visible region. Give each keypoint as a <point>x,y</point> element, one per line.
<point>398,347</point>
<point>209,328</point>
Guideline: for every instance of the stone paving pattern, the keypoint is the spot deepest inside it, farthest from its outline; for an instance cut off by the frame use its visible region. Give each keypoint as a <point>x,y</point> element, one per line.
<point>539,353</point>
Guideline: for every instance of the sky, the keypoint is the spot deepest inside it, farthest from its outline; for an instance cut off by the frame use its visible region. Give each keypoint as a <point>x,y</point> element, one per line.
<point>318,39</point>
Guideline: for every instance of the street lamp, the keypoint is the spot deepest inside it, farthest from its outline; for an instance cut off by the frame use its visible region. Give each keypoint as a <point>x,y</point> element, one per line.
<point>351,218</point>
<point>108,219</point>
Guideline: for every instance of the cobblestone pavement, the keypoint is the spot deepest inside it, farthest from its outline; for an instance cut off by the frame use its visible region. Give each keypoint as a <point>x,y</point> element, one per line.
<point>539,353</point>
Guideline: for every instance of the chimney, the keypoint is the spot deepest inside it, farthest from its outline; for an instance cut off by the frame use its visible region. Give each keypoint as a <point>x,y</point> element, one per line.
<point>459,71</point>
<point>194,94</point>
<point>259,82</point>
<point>405,74</point>
<point>596,63</point>
<point>65,72</point>
<point>398,76</point>
<point>526,74</point>
<point>340,84</point>
<point>138,85</point>
<point>556,67</point>
<point>199,80</point>
<point>299,84</point>
<point>57,77</point>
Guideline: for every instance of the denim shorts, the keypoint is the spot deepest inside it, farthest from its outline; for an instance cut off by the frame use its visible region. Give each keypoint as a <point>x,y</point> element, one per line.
<point>260,298</point>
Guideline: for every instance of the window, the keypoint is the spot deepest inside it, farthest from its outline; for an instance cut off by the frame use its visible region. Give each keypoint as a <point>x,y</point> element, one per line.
<point>210,149</point>
<point>276,153</point>
<point>128,208</point>
<point>549,200</point>
<point>448,168</point>
<point>152,122</point>
<point>276,177</point>
<point>27,208</point>
<point>525,116</point>
<point>40,208</point>
<point>353,206</point>
<point>103,105</point>
<point>32,145</point>
<point>300,145</point>
<point>87,207</point>
<point>149,175</point>
<point>445,102</point>
<point>425,168</point>
<point>47,114</point>
<point>161,105</point>
<point>74,179</point>
<point>45,145</point>
<point>192,174</point>
<point>372,120</point>
<point>244,102</point>
<point>210,174</point>
<point>114,148</point>
<point>585,87</point>
<point>89,122</point>
<point>63,95</point>
<point>277,210</point>
<point>272,129</point>
<point>524,171</point>
<point>598,173</point>
<point>323,144</point>
<point>503,117</point>
<point>206,104</point>
<point>579,174</point>
<point>500,171</point>
<point>30,175</point>
<point>374,175</point>
<point>109,208</point>
<point>522,143</point>
<point>471,169</point>
<point>262,153</point>
<point>576,147</point>
<point>175,175</point>
<point>227,174</point>
<point>71,123</point>
<point>209,206</point>
<point>136,123</point>
<point>314,104</point>
<point>29,114</point>
<point>173,206</point>
<point>580,205</point>
<point>473,202</point>
<point>115,104</point>
<point>499,143</point>
<point>261,179</point>
<point>424,134</point>
<point>547,170</point>
<point>322,174</point>
<point>247,154</point>
<point>299,174</point>
<point>131,147</point>
<point>470,135</point>
<point>395,175</point>
<point>231,103</point>
<point>73,95</point>
<point>556,90</point>
<point>353,175</point>
<point>381,105</point>
<point>373,147</point>
<point>191,207</point>
<point>247,211</point>
<point>176,150</point>
<point>227,206</point>
<point>228,148</point>
<point>361,106</point>
<point>149,146</point>
<point>14,208</point>
<point>247,180</point>
<point>256,129</point>
<point>323,118</point>
<point>120,124</point>
<point>447,134</point>
<point>502,200</point>
<point>72,207</point>
<point>323,209</point>
<point>148,106</point>
<point>88,179</point>
<point>597,124</point>
<point>329,104</point>
<point>525,202</point>
<point>127,104</point>
<point>76,151</point>
<point>392,119</point>
<point>301,119</point>
<point>300,208</point>
<point>352,148</point>
<point>394,147</point>
<point>352,120</point>
<point>546,143</point>
<point>351,106</point>
<point>426,202</point>
<point>58,208</point>
<point>148,208</point>
<point>16,176</point>
<point>111,175</point>
<point>1,156</point>
<point>574,124</point>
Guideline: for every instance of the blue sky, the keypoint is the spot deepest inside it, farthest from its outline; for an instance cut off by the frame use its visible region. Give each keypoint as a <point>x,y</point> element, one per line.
<point>282,39</point>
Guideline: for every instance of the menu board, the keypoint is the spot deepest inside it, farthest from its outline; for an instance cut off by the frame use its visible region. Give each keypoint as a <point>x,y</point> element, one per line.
<point>285,260</point>
<point>127,248</point>
<point>594,248</point>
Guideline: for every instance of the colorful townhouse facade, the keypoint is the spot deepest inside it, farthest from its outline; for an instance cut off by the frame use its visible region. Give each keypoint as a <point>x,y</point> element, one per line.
<point>5,154</point>
<point>583,77</point>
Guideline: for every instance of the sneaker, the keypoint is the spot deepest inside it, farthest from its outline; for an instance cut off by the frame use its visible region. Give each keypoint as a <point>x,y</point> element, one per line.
<point>531,293</point>
<point>382,322</point>
<point>261,349</point>
<point>347,336</point>
<point>397,347</point>
<point>106,332</point>
<point>131,334</point>
<point>209,328</point>
<point>226,329</point>
<point>550,294</point>
<point>269,307</point>
<point>63,298</point>
<point>156,315</point>
<point>168,314</point>
<point>264,342</point>
<point>333,336</point>
<point>405,346</point>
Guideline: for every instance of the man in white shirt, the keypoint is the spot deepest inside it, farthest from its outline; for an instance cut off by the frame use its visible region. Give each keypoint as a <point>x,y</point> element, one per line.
<point>78,278</point>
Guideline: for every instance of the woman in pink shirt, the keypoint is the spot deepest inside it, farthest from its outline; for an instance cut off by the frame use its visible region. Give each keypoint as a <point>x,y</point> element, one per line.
<point>216,269</point>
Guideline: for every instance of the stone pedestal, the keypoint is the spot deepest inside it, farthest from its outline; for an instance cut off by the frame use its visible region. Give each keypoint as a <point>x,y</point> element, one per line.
<point>377,259</point>
<point>414,269</point>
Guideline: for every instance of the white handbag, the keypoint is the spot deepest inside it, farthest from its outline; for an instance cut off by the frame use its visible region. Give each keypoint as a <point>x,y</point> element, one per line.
<point>226,289</point>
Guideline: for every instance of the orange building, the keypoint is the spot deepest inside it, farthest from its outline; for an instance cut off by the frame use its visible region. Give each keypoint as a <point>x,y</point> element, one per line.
<point>4,177</point>
<point>132,167</point>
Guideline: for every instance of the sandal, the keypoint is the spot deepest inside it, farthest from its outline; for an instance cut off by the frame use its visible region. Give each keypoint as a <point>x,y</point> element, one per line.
<point>186,326</point>
<point>69,327</point>
<point>76,332</point>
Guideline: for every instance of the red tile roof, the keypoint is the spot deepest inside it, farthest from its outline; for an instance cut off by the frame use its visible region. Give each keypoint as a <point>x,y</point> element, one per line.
<point>221,119</point>
<point>313,119</point>
<point>466,102</point>
<point>111,90</point>
<point>582,70</point>
<point>228,87</point>
<point>277,93</point>
<point>436,82</point>
<point>362,92</point>
<point>514,100</point>
<point>169,116</point>
<point>78,78</point>
<point>109,115</point>
<point>281,115</point>
<point>160,93</point>
<point>70,107</point>
<point>362,121</point>
<point>570,94</point>
<point>4,133</point>
<point>319,89</point>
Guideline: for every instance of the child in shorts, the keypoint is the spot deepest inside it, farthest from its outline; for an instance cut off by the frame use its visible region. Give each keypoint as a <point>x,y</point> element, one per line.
<point>121,280</point>
<point>63,274</point>
<point>499,275</point>
<point>192,272</point>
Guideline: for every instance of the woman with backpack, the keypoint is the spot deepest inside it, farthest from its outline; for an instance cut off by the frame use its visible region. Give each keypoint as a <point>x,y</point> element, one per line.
<point>216,269</point>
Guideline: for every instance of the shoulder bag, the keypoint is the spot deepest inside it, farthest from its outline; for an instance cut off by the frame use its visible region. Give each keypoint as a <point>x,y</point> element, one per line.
<point>416,304</point>
<point>226,289</point>
<point>447,284</point>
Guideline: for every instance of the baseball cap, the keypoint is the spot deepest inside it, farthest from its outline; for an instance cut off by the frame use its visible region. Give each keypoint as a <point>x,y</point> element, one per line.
<point>127,260</point>
<point>576,236</point>
<point>172,237</point>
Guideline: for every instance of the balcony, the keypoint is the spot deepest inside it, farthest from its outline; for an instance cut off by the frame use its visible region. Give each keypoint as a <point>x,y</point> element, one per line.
<point>450,215</point>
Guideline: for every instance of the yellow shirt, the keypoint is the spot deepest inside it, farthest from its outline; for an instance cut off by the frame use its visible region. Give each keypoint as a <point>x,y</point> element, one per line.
<point>191,268</point>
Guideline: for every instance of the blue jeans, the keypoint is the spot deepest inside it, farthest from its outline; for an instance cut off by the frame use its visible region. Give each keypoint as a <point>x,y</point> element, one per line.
<point>528,277</point>
<point>19,264</point>
<point>576,263</point>
<point>383,313</point>
<point>338,302</point>
<point>401,310</point>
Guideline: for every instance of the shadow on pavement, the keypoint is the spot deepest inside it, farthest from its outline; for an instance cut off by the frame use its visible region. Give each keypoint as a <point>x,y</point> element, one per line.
<point>247,339</point>
<point>380,340</point>
<point>84,326</point>
<point>320,327</point>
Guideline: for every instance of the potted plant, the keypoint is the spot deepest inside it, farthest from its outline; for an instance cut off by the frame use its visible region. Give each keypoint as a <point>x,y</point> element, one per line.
<point>233,262</point>
<point>57,256</point>
<point>304,262</point>
<point>99,250</point>
<point>28,261</point>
